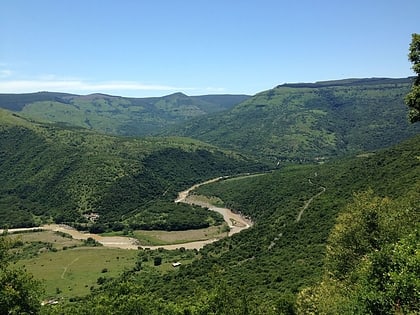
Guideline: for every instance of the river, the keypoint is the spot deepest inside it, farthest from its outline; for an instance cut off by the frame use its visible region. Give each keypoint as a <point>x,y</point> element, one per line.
<point>236,223</point>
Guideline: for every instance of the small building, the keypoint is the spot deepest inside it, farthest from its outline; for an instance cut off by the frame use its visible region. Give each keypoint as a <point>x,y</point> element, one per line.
<point>176,264</point>
<point>92,217</point>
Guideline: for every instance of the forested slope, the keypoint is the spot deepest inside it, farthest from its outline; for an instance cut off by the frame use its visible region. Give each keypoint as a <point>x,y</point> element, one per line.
<point>53,173</point>
<point>277,266</point>
<point>302,122</point>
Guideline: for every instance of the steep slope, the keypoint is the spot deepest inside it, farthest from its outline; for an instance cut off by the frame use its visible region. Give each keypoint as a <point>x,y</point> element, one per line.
<point>113,114</point>
<point>311,121</point>
<point>54,173</point>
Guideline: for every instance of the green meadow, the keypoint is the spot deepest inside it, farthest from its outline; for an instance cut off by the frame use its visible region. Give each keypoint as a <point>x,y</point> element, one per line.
<point>75,272</point>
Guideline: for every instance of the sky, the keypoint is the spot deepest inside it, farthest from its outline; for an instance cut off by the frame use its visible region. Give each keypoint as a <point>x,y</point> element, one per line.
<point>142,48</point>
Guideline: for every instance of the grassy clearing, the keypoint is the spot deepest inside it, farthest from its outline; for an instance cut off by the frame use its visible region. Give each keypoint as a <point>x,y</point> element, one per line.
<point>57,240</point>
<point>73,272</point>
<point>201,199</point>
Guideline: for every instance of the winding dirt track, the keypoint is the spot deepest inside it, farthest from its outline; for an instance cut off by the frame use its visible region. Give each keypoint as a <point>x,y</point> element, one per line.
<point>307,203</point>
<point>235,221</point>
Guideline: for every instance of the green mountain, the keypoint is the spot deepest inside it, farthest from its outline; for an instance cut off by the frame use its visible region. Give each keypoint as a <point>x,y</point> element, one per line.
<point>116,115</point>
<point>311,121</point>
<point>50,173</point>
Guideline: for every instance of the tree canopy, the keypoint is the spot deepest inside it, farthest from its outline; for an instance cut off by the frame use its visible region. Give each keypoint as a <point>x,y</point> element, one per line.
<point>413,97</point>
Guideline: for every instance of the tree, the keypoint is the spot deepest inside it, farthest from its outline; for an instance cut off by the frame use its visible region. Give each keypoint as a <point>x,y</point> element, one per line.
<point>157,261</point>
<point>373,260</point>
<point>389,282</point>
<point>19,292</point>
<point>413,97</point>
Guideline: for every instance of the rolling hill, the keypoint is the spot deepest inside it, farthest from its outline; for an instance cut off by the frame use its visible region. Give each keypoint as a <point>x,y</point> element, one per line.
<point>114,114</point>
<point>311,121</point>
<point>54,173</point>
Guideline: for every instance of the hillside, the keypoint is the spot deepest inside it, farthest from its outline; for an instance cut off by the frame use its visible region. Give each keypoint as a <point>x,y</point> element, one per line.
<point>311,121</point>
<point>282,254</point>
<point>50,173</point>
<point>278,265</point>
<point>114,114</point>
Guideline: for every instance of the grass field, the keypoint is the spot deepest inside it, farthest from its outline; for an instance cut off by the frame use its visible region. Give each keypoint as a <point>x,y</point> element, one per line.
<point>72,272</point>
<point>57,240</point>
<point>68,268</point>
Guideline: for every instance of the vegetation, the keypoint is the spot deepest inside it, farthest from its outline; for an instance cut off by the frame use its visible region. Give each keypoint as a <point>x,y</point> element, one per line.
<point>372,260</point>
<point>19,292</point>
<point>413,98</point>
<point>311,122</point>
<point>339,236</point>
<point>113,114</point>
<point>282,264</point>
<point>58,174</point>
<point>75,271</point>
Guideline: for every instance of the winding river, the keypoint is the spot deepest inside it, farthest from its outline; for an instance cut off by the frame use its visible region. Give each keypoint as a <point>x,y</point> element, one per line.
<point>236,223</point>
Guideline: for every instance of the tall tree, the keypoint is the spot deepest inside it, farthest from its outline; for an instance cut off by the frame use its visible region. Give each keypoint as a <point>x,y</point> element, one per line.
<point>413,97</point>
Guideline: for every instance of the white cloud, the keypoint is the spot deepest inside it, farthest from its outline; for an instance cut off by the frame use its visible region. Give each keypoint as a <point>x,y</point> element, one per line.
<point>47,83</point>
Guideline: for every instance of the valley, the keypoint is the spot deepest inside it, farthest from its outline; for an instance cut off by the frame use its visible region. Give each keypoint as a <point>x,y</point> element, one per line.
<point>235,203</point>
<point>236,223</point>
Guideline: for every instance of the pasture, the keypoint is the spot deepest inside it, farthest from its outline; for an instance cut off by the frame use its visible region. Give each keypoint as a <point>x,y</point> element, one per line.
<point>73,272</point>
<point>66,267</point>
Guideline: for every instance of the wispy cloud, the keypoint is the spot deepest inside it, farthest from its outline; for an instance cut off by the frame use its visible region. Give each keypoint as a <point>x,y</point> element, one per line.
<point>80,86</point>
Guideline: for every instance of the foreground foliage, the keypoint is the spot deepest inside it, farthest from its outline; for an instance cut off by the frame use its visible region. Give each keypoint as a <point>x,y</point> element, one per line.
<point>413,98</point>
<point>19,292</point>
<point>373,260</point>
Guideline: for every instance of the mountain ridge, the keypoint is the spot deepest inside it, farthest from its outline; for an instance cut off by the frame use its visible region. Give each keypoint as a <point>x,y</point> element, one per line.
<point>116,115</point>
<point>311,121</point>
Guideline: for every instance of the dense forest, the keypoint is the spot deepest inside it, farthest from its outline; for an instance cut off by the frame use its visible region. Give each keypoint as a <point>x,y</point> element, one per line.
<point>339,257</point>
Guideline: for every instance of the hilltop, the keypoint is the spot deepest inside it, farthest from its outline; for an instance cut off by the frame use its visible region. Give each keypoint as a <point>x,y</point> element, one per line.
<point>115,114</point>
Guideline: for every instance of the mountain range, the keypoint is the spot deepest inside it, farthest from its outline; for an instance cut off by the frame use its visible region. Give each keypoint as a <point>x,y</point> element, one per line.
<point>114,114</point>
<point>291,122</point>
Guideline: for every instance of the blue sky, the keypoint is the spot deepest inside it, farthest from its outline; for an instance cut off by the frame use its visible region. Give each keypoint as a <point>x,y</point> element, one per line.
<point>153,48</point>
